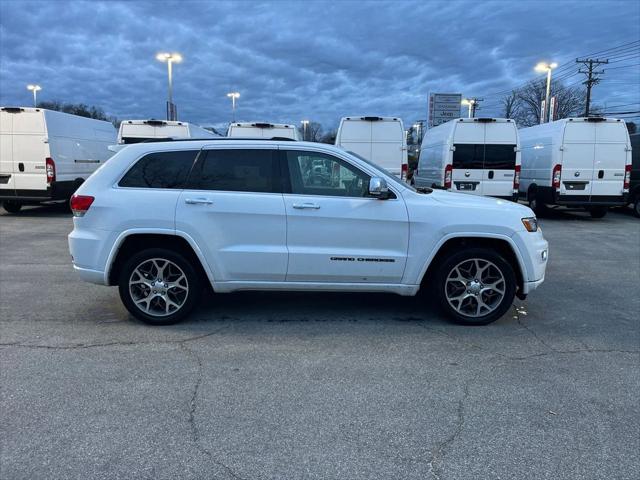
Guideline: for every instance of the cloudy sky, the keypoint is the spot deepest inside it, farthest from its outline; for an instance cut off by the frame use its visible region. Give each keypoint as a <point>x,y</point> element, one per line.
<point>317,60</point>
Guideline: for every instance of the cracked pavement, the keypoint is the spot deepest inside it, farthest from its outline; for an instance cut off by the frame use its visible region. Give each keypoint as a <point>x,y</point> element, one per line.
<point>321,386</point>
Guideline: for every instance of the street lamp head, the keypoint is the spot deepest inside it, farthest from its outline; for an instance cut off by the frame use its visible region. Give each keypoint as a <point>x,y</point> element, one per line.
<point>304,122</point>
<point>34,88</point>
<point>467,101</point>
<point>545,67</point>
<point>169,57</point>
<point>233,95</point>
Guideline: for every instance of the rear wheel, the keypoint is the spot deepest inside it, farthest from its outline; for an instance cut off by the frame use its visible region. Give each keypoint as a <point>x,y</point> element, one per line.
<point>476,286</point>
<point>598,212</point>
<point>636,206</point>
<point>159,287</point>
<point>538,207</point>
<point>12,206</point>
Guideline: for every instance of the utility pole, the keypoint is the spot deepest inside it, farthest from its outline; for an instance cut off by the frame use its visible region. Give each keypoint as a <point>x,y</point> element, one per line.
<point>472,103</point>
<point>592,77</point>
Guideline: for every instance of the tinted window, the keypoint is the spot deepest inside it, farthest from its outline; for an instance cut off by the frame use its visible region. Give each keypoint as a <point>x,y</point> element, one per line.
<point>468,156</point>
<point>500,157</point>
<point>319,174</point>
<point>160,170</point>
<point>235,171</point>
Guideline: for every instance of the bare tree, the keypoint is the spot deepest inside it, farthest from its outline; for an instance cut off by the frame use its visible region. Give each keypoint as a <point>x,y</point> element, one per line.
<point>525,104</point>
<point>510,105</point>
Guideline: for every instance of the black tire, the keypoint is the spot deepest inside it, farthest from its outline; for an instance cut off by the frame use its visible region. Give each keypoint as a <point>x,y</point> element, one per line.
<point>636,206</point>
<point>187,302</point>
<point>12,206</point>
<point>598,212</point>
<point>539,208</point>
<point>487,255</point>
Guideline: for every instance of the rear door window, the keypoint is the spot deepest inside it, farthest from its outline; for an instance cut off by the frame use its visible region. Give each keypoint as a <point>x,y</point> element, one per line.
<point>499,157</point>
<point>160,170</point>
<point>468,156</point>
<point>484,156</point>
<point>236,170</point>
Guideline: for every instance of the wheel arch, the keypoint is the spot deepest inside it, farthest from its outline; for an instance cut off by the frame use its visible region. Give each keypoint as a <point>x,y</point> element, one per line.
<point>502,244</point>
<point>135,241</point>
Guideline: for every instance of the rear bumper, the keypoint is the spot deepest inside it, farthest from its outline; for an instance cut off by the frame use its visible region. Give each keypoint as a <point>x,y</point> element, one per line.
<point>91,276</point>
<point>549,196</point>
<point>55,191</point>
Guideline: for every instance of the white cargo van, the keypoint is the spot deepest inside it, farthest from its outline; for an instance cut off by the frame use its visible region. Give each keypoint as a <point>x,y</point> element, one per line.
<point>480,156</point>
<point>45,155</point>
<point>136,131</point>
<point>262,130</point>
<point>576,162</point>
<point>381,140</point>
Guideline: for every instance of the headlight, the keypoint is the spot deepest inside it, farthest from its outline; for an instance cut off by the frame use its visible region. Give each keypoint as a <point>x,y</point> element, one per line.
<point>530,223</point>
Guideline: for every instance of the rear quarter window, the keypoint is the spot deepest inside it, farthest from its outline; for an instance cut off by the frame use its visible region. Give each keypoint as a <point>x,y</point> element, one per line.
<point>160,170</point>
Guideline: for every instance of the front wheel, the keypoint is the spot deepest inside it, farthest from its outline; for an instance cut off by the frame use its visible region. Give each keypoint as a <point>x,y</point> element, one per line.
<point>159,287</point>
<point>12,206</point>
<point>476,286</point>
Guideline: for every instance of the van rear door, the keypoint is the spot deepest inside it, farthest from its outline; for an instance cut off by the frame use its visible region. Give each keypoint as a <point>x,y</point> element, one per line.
<point>387,145</point>
<point>577,159</point>
<point>610,158</point>
<point>355,136</point>
<point>7,177</point>
<point>468,158</point>
<point>499,164</point>
<point>29,152</point>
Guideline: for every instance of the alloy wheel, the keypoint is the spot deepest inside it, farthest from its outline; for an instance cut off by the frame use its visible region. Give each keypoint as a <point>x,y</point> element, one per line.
<point>475,287</point>
<point>158,287</point>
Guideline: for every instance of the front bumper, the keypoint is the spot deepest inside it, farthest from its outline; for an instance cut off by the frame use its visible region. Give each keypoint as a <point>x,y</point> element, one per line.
<point>534,250</point>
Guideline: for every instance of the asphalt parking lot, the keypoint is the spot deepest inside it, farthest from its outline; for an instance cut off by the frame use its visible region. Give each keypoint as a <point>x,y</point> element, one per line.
<point>325,386</point>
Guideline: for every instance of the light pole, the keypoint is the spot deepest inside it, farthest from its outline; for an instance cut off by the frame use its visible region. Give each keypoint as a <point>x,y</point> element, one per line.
<point>418,127</point>
<point>471,102</point>
<point>304,129</point>
<point>546,67</point>
<point>34,89</point>
<point>233,96</point>
<point>170,58</point>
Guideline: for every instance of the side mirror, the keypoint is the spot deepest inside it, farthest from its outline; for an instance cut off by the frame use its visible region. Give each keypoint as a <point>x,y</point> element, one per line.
<point>378,188</point>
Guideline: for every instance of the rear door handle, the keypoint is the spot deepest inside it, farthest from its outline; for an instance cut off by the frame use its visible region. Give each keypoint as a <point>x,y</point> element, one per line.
<point>301,206</point>
<point>198,201</point>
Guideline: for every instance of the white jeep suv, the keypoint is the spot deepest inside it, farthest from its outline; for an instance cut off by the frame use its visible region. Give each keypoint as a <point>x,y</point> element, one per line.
<point>160,220</point>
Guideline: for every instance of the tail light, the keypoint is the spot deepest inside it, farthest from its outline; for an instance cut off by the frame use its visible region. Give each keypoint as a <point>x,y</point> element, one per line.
<point>516,179</point>
<point>557,171</point>
<point>448,172</point>
<point>80,204</point>
<point>51,170</point>
<point>404,171</point>
<point>627,178</point>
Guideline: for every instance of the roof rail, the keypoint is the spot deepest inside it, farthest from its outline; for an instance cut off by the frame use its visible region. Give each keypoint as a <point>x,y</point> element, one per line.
<point>214,139</point>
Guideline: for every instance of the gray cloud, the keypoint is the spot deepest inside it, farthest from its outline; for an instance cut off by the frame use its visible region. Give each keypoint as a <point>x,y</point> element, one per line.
<point>294,60</point>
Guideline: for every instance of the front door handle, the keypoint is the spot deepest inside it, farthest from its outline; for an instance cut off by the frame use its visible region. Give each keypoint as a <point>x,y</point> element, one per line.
<point>301,206</point>
<point>198,201</point>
